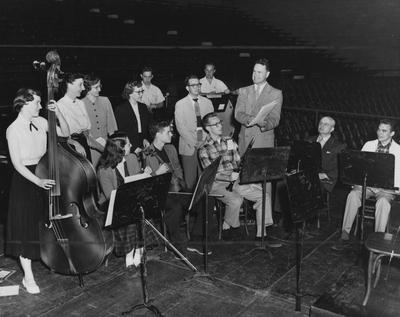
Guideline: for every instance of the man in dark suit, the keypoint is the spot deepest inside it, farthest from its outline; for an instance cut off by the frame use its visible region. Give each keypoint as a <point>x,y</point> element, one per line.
<point>330,148</point>
<point>133,117</point>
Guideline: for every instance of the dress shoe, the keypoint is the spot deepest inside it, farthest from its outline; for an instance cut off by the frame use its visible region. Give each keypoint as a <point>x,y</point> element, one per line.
<point>197,251</point>
<point>344,236</point>
<point>31,286</point>
<point>339,245</point>
<point>269,242</point>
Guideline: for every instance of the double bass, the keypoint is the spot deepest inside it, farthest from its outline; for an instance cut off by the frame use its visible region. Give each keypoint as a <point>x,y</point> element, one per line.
<point>72,241</point>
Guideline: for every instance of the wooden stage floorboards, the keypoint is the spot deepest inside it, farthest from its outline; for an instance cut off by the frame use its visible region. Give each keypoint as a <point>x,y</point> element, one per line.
<point>246,283</point>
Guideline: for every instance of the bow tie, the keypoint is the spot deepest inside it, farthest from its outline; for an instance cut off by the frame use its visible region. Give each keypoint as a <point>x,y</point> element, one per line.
<point>32,125</point>
<point>195,99</point>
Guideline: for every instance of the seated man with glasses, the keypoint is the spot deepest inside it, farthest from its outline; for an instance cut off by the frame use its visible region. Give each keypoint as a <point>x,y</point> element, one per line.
<point>133,117</point>
<point>188,114</point>
<point>215,146</point>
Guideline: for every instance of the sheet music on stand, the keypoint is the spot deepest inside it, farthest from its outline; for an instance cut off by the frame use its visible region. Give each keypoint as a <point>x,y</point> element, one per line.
<point>128,179</point>
<point>379,168</point>
<point>261,163</point>
<point>304,155</point>
<point>147,192</point>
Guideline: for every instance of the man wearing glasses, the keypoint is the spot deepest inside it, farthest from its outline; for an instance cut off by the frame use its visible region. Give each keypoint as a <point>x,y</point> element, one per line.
<point>216,146</point>
<point>152,95</point>
<point>133,117</point>
<point>188,114</point>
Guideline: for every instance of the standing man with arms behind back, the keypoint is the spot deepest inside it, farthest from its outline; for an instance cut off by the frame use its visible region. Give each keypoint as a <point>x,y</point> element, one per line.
<point>188,114</point>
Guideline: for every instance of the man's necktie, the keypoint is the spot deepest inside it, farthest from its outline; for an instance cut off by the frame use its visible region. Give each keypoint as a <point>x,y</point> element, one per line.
<point>32,125</point>
<point>126,169</point>
<point>258,91</point>
<point>320,140</point>
<point>198,119</point>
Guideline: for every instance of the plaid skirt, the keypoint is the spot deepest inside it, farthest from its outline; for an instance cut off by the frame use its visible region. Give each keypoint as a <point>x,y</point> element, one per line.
<point>128,237</point>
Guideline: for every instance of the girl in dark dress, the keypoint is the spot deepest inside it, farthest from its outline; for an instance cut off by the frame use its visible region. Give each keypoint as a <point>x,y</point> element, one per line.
<point>27,141</point>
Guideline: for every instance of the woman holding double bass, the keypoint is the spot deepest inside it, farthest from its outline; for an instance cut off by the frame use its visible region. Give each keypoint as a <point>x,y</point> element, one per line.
<point>27,142</point>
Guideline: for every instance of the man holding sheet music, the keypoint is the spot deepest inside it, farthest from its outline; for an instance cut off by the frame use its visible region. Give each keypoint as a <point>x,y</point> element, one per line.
<point>216,146</point>
<point>258,109</point>
<point>383,144</point>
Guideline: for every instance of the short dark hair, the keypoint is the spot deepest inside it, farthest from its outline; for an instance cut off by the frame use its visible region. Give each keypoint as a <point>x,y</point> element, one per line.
<point>113,151</point>
<point>89,80</point>
<point>263,61</point>
<point>69,78</point>
<point>209,63</point>
<point>147,69</point>
<point>129,88</point>
<point>206,119</point>
<point>192,76</point>
<point>157,126</point>
<point>390,122</point>
<point>23,96</point>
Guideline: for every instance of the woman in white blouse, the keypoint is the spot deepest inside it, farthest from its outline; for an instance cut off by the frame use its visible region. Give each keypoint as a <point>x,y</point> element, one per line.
<point>74,112</point>
<point>27,142</point>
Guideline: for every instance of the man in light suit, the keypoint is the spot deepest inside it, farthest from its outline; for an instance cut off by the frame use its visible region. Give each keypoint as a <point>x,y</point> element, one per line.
<point>250,101</point>
<point>383,144</point>
<point>188,114</point>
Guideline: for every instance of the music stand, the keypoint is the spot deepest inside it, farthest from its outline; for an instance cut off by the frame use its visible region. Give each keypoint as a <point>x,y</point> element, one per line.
<point>302,192</point>
<point>219,101</point>
<point>262,165</point>
<point>132,201</point>
<point>202,190</point>
<point>304,155</point>
<point>367,169</point>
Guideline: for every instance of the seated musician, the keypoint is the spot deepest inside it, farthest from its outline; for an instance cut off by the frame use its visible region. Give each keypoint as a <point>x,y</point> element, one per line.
<point>330,148</point>
<point>215,146</point>
<point>384,144</point>
<point>162,157</point>
<point>116,163</point>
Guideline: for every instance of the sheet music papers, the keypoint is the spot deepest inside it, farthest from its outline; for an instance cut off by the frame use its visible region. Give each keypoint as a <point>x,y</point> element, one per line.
<point>264,111</point>
<point>127,179</point>
<point>7,290</point>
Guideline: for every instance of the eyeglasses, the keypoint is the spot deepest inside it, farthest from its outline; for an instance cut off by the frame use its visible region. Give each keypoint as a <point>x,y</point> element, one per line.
<point>195,85</point>
<point>215,124</point>
<point>139,91</point>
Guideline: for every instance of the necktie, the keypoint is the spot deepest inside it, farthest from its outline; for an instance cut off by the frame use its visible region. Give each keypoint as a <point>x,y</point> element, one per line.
<point>32,125</point>
<point>258,91</point>
<point>320,140</point>
<point>198,120</point>
<point>126,169</point>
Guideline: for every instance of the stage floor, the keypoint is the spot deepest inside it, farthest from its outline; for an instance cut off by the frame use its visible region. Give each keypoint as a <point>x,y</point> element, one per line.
<point>245,282</point>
